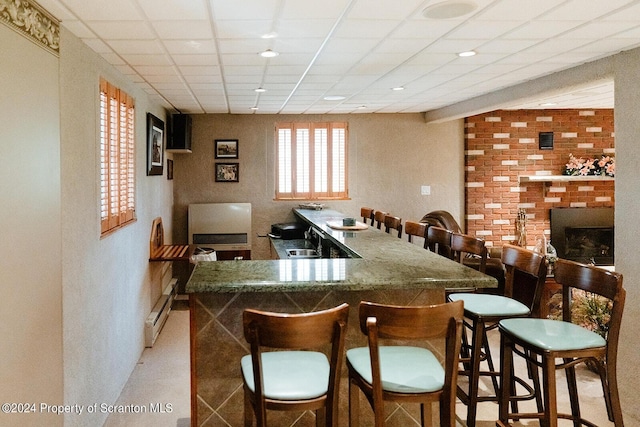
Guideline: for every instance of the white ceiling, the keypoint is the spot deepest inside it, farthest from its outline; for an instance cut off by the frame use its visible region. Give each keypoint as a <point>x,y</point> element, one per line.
<point>201,56</point>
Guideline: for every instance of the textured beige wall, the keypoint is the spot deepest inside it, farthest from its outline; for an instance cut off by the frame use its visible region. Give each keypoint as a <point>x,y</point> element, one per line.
<point>390,157</point>
<point>627,99</point>
<point>107,283</point>
<point>30,242</point>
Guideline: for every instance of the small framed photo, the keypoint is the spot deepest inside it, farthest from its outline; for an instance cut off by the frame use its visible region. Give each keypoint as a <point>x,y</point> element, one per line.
<point>226,148</point>
<point>227,172</point>
<point>155,145</point>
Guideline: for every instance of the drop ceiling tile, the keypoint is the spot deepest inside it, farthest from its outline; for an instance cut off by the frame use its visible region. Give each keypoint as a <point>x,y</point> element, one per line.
<point>143,59</point>
<point>198,70</point>
<point>204,59</point>
<point>136,46</point>
<point>183,30</point>
<point>113,10</point>
<point>190,47</point>
<point>78,28</point>
<point>517,10</point>
<point>248,9</point>
<point>122,30</point>
<point>365,28</point>
<point>383,9</point>
<point>168,10</point>
<point>98,45</point>
<point>482,30</point>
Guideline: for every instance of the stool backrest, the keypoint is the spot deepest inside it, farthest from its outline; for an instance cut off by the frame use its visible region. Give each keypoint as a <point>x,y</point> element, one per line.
<point>525,274</point>
<point>439,240</point>
<point>367,215</point>
<point>603,287</point>
<point>378,217</point>
<point>304,331</point>
<point>393,223</point>
<point>416,229</point>
<point>464,244</point>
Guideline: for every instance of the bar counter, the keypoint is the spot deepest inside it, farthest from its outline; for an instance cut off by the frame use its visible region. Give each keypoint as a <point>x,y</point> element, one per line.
<point>382,268</point>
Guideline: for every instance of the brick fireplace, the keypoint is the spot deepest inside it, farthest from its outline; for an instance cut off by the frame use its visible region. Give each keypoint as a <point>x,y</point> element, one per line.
<point>502,150</point>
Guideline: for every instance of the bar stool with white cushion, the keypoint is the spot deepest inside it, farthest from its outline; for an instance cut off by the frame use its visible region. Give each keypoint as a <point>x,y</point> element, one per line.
<point>298,377</point>
<point>396,367</point>
<point>524,269</point>
<point>560,345</point>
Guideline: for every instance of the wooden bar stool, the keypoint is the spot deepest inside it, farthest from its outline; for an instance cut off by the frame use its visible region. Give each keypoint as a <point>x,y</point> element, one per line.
<point>404,373</point>
<point>416,229</point>
<point>367,215</point>
<point>378,217</point>
<point>542,342</point>
<point>526,272</point>
<point>296,379</point>
<point>439,241</point>
<point>464,245</point>
<point>393,223</point>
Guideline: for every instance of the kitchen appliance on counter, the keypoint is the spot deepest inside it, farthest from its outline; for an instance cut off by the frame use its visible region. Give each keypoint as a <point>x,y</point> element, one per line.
<point>288,230</point>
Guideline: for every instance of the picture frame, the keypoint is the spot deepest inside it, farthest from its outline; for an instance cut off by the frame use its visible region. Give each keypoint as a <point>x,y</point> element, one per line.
<point>155,145</point>
<point>227,172</point>
<point>226,148</point>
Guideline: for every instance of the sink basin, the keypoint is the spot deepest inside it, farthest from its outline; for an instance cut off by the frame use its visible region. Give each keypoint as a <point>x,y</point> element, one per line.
<point>303,253</point>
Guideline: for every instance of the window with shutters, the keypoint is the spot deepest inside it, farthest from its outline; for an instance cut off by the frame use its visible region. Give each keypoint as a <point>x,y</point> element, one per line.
<point>117,158</point>
<point>311,161</point>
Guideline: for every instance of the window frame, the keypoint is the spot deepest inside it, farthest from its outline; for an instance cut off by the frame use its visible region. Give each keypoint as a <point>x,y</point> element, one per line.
<point>296,145</point>
<point>117,158</point>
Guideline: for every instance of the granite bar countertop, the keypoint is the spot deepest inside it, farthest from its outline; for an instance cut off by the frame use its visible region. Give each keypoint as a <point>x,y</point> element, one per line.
<point>385,262</point>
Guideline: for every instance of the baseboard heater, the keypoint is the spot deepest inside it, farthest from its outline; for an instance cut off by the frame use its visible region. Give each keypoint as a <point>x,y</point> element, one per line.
<point>158,316</point>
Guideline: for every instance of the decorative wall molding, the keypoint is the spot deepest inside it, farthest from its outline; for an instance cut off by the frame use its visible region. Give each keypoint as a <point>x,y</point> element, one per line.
<point>29,19</point>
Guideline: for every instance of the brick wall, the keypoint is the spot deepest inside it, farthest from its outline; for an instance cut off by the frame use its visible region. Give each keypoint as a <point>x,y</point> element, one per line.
<point>502,145</point>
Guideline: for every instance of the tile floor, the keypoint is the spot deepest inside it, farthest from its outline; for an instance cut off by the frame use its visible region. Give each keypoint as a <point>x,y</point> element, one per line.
<point>161,380</point>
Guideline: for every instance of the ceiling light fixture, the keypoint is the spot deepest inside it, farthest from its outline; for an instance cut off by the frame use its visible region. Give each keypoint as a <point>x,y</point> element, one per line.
<point>253,108</point>
<point>397,88</point>
<point>271,35</point>
<point>449,9</point>
<point>467,53</point>
<point>548,104</point>
<point>259,90</point>
<point>334,98</point>
<point>268,54</point>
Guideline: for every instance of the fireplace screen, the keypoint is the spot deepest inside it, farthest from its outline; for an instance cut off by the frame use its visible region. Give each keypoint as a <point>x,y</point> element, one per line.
<point>589,244</point>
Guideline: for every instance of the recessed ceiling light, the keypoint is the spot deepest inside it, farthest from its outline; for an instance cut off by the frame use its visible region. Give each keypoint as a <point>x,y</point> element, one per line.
<point>548,104</point>
<point>397,88</point>
<point>259,90</point>
<point>253,108</point>
<point>362,107</point>
<point>268,54</point>
<point>334,98</point>
<point>271,35</point>
<point>467,53</point>
<point>449,9</point>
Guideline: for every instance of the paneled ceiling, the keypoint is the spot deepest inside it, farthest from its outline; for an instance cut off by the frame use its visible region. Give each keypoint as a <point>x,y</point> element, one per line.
<point>347,56</point>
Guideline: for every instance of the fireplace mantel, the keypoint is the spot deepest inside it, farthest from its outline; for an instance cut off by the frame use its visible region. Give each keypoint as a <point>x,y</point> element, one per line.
<point>562,178</point>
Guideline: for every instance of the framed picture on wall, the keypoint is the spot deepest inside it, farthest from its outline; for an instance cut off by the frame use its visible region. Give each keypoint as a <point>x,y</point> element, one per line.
<point>226,148</point>
<point>227,172</point>
<point>155,145</point>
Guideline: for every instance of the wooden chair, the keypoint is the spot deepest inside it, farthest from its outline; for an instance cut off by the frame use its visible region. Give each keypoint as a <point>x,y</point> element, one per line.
<point>406,373</point>
<point>378,217</point>
<point>393,223</point>
<point>463,245</point>
<point>526,272</point>
<point>416,229</point>
<point>297,379</point>
<point>544,341</point>
<point>367,215</point>
<point>439,240</point>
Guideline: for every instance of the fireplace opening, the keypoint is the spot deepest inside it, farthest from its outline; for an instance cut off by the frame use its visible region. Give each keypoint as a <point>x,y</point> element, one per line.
<point>584,235</point>
<point>589,244</point>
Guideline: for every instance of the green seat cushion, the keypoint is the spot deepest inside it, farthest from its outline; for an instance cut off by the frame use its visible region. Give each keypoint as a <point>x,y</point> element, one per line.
<point>290,375</point>
<point>404,369</point>
<point>490,305</point>
<point>549,334</point>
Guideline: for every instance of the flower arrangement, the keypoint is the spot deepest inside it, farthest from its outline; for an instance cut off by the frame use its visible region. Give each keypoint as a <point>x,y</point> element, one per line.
<point>604,166</point>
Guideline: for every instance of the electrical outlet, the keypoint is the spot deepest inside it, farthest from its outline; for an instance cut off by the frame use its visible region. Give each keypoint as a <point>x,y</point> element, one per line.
<point>425,190</point>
